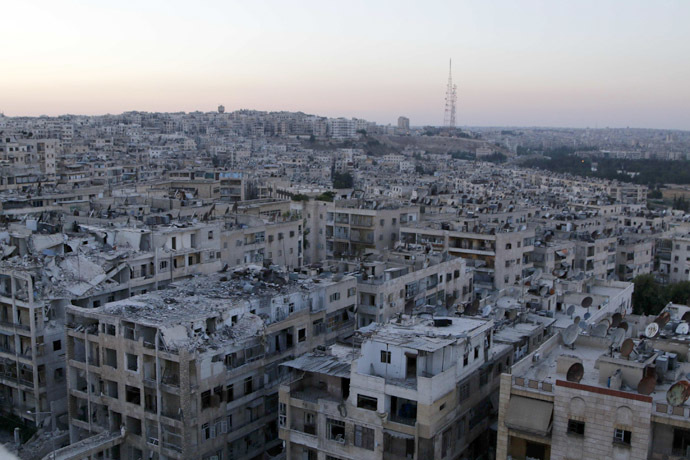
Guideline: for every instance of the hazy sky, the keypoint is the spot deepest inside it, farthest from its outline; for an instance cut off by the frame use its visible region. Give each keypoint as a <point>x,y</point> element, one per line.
<point>549,63</point>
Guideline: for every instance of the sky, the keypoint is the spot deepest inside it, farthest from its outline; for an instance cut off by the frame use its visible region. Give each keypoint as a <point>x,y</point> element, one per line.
<point>584,63</point>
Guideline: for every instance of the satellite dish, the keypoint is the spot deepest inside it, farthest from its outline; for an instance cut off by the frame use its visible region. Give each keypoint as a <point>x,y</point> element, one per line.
<point>570,310</point>
<point>537,274</point>
<point>678,393</point>
<point>646,385</point>
<point>683,329</point>
<point>576,320</point>
<point>600,330</point>
<point>587,302</point>
<point>663,319</point>
<point>617,337</point>
<point>582,325</point>
<point>616,320</point>
<point>587,316</point>
<point>575,373</point>
<point>652,330</point>
<point>623,325</point>
<point>544,291</point>
<point>486,311</point>
<point>627,347</point>
<point>569,335</point>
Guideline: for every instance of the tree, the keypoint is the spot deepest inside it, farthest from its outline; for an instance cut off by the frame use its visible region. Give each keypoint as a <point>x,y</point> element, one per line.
<point>326,196</point>
<point>679,292</point>
<point>648,298</point>
<point>343,180</point>
<point>655,194</point>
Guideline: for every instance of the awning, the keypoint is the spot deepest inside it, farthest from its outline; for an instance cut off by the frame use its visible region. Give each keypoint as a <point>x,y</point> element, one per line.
<point>530,415</point>
<point>562,252</point>
<point>397,434</point>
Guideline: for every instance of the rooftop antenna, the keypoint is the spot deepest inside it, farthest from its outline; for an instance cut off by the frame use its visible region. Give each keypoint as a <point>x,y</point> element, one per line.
<point>451,98</point>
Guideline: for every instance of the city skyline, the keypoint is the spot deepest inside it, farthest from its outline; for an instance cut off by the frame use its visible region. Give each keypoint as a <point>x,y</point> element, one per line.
<point>532,64</point>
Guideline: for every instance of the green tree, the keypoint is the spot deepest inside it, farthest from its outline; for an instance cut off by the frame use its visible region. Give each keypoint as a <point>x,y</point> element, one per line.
<point>326,196</point>
<point>648,298</point>
<point>343,180</point>
<point>679,292</point>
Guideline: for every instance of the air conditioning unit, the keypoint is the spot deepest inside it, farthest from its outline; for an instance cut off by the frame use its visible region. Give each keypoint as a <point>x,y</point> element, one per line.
<point>536,357</point>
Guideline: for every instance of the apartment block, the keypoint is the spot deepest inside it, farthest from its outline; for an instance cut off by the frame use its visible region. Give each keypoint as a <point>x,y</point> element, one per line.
<point>192,372</point>
<point>417,388</point>
<point>499,254</point>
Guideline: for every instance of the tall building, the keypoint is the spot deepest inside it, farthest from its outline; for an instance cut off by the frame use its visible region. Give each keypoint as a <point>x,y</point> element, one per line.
<point>404,123</point>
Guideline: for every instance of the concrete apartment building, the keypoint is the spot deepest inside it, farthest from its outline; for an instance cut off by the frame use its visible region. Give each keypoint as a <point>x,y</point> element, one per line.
<point>407,282</point>
<point>248,239</point>
<point>417,389</point>
<point>556,257</point>
<point>500,254</point>
<point>600,410</point>
<point>634,256</point>
<point>595,255</point>
<point>673,258</point>
<point>88,269</point>
<point>192,372</point>
<point>350,228</point>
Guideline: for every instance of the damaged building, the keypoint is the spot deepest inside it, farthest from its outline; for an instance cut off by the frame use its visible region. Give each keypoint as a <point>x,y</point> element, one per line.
<point>192,371</point>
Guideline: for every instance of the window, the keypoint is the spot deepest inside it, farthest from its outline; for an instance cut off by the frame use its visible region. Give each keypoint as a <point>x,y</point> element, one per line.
<point>464,391</point>
<point>351,291</point>
<point>248,387</point>
<point>164,265</point>
<point>335,430</point>
<point>385,356</point>
<point>576,427</point>
<point>622,436</point>
<point>270,238</point>
<point>681,441</point>
<point>367,402</point>
<point>282,414</point>
<point>57,345</point>
<point>132,362</point>
<point>59,374</point>
<point>292,233</point>
<point>333,297</point>
<point>206,431</point>
<point>364,437</point>
<point>301,335</point>
<point>210,234</point>
<point>446,442</point>
<point>476,352</point>
<point>206,399</point>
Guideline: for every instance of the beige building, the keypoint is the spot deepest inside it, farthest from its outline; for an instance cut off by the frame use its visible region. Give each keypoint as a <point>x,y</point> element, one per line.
<point>500,254</point>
